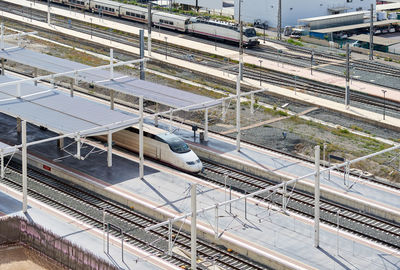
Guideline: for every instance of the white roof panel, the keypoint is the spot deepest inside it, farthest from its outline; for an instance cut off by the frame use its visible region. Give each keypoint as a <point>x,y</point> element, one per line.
<point>59,112</point>
<point>129,85</point>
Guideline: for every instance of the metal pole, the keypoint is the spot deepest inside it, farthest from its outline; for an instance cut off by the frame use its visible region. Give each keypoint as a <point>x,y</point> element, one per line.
<point>109,149</point>
<point>2,67</point>
<point>2,164</point>
<point>279,27</point>
<point>91,28</point>
<point>311,60</point>
<point>141,34</point>
<point>238,113</point>
<point>2,37</point>
<point>18,90</point>
<point>149,20</point>
<point>347,94</point>
<point>48,12</point>
<point>206,125</point>
<point>170,121</point>
<point>78,146</point>
<point>245,205</point>
<point>112,64</point>
<point>252,103</point>
<point>260,70</point>
<point>284,196</point>
<point>317,195</point>
<point>264,32</point>
<point>141,166</point>
<point>104,228</point>
<point>108,238</point>
<point>337,233</point>
<point>371,34</point>
<point>216,221</point>
<point>112,92</point>
<point>166,47</point>
<point>240,42</point>
<point>223,111</point>
<point>156,116</point>
<point>170,237</point>
<point>384,103</point>
<point>122,245</point>
<point>193,235</point>
<point>225,180</point>
<point>24,169</point>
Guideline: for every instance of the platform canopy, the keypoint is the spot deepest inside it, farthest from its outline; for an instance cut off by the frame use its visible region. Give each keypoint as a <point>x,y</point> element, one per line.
<point>165,95</point>
<point>377,40</point>
<point>5,148</point>
<point>60,113</point>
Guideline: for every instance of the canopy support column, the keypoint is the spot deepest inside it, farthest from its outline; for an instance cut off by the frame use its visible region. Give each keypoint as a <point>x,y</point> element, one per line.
<point>78,146</point>
<point>109,149</point>
<point>193,228</point>
<point>156,116</point>
<point>18,125</point>
<point>206,125</point>
<point>24,169</point>
<point>112,92</point>
<point>141,157</point>
<point>317,195</point>
<point>2,67</point>
<point>170,121</point>
<point>2,163</point>
<point>252,104</point>
<point>60,142</point>
<point>238,113</point>
<point>224,109</point>
<point>112,64</point>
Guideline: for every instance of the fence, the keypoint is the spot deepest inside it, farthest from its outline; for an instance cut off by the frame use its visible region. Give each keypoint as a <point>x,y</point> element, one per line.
<point>15,230</point>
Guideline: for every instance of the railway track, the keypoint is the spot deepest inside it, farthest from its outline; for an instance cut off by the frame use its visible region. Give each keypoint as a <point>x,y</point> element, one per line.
<point>88,207</point>
<point>323,58</point>
<point>269,76</point>
<point>365,226</point>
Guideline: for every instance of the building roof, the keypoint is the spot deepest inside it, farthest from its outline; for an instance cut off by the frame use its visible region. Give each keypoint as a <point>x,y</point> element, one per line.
<point>354,26</point>
<point>60,113</point>
<point>377,40</point>
<point>169,96</point>
<point>390,6</point>
<point>335,16</point>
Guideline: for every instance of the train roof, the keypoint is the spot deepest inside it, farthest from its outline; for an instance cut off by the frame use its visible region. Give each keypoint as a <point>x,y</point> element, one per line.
<point>108,3</point>
<point>171,15</point>
<point>133,7</point>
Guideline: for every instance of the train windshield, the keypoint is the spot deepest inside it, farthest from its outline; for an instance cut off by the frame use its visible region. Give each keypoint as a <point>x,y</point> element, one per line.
<point>176,144</point>
<point>250,32</point>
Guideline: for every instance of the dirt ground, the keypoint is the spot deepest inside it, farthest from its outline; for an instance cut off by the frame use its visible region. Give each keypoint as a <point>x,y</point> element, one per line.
<point>20,258</point>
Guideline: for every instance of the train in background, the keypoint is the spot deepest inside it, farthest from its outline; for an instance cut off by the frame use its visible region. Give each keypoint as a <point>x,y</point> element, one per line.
<point>159,145</point>
<point>202,26</point>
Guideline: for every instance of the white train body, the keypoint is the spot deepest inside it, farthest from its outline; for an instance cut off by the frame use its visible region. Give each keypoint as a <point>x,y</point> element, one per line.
<point>135,13</point>
<point>105,6</point>
<point>201,26</point>
<point>170,21</point>
<point>222,31</point>
<point>160,145</point>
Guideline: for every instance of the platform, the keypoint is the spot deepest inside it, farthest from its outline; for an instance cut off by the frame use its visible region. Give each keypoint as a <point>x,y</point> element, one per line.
<point>266,232</point>
<point>207,48</point>
<point>77,232</point>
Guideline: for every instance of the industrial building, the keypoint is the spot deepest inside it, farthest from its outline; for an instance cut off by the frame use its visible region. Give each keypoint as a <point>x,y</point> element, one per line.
<point>293,10</point>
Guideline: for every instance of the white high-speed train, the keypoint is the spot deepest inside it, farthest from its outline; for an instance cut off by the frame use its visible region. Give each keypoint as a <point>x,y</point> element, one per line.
<point>160,145</point>
<point>195,25</point>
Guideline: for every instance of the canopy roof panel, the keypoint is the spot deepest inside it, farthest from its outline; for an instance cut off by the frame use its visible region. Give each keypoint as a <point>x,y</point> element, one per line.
<point>8,151</point>
<point>129,85</point>
<point>59,112</point>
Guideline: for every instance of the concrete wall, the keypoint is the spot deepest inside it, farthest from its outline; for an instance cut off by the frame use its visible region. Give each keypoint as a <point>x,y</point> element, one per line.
<point>292,10</point>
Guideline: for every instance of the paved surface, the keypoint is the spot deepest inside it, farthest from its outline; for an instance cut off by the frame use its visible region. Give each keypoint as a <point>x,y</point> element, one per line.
<point>76,232</point>
<point>287,238</point>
